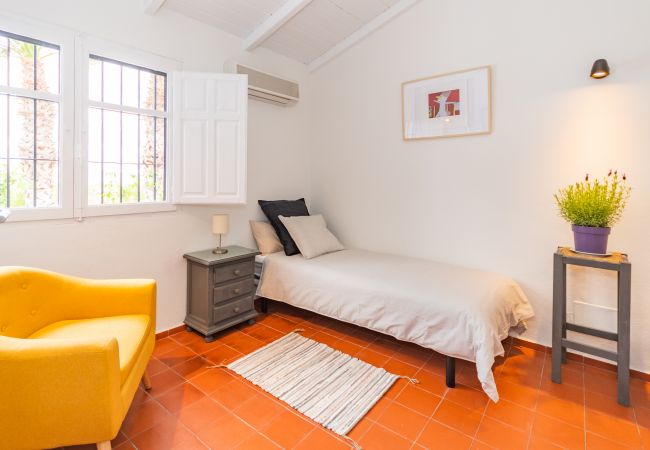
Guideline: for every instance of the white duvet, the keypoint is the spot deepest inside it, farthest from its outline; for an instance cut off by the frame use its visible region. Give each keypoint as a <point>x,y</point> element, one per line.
<point>459,312</point>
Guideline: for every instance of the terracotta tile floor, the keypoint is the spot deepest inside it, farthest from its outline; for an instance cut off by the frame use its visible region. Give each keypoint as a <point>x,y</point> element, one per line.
<point>194,407</point>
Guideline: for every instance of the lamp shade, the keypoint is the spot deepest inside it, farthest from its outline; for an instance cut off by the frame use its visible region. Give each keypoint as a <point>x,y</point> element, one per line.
<point>220,223</point>
<point>600,69</point>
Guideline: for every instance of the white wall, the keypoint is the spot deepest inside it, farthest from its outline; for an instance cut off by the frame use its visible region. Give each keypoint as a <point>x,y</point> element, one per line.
<point>486,201</point>
<point>152,245</point>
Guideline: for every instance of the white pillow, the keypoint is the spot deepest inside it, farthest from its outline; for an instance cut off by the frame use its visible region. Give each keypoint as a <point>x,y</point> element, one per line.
<point>311,235</point>
<point>266,238</point>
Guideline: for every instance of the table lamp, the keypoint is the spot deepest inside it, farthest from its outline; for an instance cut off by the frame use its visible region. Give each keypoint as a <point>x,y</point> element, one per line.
<point>220,227</point>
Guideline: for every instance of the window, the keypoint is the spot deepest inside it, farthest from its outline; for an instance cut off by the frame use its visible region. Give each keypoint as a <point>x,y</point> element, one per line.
<point>30,101</point>
<point>85,128</point>
<point>126,132</point>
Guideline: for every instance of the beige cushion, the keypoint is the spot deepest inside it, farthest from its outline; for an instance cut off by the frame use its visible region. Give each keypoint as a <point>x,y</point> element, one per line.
<point>266,237</point>
<point>311,235</point>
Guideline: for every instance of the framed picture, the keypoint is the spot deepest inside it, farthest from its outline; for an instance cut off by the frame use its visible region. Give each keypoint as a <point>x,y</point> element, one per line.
<point>453,104</point>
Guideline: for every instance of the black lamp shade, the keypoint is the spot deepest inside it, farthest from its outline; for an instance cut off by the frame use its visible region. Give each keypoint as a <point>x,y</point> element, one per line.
<point>600,69</point>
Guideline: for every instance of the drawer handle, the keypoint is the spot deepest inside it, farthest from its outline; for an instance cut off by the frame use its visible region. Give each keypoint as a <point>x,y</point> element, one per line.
<point>236,290</point>
<point>236,271</point>
<point>236,309</point>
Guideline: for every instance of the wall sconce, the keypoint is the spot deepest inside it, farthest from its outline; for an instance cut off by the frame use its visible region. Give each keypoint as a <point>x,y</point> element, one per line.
<point>600,69</point>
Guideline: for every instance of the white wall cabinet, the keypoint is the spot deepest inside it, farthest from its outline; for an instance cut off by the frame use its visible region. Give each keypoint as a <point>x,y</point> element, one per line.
<point>209,134</point>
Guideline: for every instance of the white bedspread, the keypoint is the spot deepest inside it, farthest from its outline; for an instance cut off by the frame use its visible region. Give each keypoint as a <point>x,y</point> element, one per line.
<point>459,312</point>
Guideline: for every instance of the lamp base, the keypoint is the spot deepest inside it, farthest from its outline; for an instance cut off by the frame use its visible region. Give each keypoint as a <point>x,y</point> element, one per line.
<point>220,251</point>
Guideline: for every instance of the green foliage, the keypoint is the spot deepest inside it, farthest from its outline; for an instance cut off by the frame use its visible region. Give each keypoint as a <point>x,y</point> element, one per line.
<point>594,203</point>
<point>22,174</point>
<point>130,188</point>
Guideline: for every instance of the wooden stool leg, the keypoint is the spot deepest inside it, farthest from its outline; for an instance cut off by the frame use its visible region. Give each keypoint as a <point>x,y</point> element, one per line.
<point>623,350</point>
<point>559,316</point>
<point>106,445</point>
<point>146,381</point>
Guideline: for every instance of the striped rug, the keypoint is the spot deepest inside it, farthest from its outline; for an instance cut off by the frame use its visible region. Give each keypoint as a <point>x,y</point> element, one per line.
<point>328,386</point>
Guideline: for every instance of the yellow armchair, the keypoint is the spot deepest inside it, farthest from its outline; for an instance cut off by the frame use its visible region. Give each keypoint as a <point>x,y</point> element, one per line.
<point>72,353</point>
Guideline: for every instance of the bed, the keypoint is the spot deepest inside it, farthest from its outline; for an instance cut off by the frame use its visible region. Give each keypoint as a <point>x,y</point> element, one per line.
<point>459,312</point>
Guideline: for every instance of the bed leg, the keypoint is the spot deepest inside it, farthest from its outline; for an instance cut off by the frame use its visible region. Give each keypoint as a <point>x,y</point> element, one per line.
<point>264,305</point>
<point>451,371</point>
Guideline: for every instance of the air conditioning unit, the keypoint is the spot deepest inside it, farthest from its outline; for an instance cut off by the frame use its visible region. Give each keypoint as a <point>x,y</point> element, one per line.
<point>267,87</point>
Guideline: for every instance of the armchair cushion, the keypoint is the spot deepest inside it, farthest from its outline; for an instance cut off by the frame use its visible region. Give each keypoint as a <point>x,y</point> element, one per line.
<point>130,331</point>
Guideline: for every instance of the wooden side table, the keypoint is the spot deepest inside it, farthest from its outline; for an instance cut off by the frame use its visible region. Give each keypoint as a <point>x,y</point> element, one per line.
<point>617,262</point>
<point>220,289</point>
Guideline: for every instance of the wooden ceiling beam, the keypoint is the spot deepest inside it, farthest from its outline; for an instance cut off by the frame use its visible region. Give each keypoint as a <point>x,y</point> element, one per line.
<point>284,14</point>
<point>366,30</point>
<point>151,7</point>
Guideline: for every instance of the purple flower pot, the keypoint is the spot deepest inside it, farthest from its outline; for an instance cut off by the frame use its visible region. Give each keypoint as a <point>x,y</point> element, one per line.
<point>590,239</point>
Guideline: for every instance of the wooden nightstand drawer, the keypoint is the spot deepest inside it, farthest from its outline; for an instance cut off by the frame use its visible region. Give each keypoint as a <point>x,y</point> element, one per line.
<point>231,290</point>
<point>233,309</point>
<point>233,271</point>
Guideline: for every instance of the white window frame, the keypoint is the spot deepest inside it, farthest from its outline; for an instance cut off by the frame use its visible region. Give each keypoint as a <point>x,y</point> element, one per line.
<point>66,99</point>
<point>89,45</point>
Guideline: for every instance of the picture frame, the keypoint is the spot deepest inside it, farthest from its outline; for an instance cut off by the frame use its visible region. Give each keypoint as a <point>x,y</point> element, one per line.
<point>448,105</point>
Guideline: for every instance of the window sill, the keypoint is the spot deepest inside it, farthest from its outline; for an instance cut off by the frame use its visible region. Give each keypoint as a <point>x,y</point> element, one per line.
<point>34,215</point>
<point>116,210</point>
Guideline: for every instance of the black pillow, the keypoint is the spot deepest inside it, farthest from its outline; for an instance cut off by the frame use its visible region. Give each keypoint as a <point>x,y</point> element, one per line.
<point>286,208</point>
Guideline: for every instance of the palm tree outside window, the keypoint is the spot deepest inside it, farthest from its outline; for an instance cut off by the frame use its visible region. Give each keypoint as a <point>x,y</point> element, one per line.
<point>29,122</point>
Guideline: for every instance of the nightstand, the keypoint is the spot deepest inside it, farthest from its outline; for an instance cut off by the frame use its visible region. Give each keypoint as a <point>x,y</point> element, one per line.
<point>220,289</point>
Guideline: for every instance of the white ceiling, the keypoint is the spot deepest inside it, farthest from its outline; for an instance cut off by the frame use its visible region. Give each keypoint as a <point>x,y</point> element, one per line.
<point>312,32</point>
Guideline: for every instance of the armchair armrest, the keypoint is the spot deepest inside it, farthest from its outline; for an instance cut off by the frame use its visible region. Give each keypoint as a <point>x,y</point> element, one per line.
<point>66,390</point>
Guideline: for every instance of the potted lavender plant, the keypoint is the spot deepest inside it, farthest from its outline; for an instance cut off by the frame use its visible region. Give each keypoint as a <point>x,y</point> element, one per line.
<point>592,207</point>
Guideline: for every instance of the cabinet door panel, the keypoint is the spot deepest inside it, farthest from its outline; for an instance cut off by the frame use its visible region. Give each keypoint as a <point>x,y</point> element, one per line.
<point>227,161</point>
<point>194,158</point>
